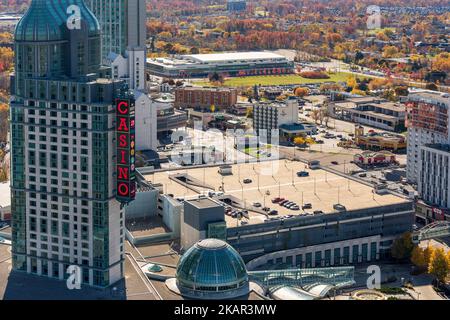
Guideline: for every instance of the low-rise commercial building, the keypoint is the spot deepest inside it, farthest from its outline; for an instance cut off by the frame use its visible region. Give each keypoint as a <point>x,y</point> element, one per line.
<point>374,112</point>
<point>379,140</point>
<point>370,158</point>
<point>428,213</point>
<point>5,201</point>
<point>168,117</point>
<point>229,63</point>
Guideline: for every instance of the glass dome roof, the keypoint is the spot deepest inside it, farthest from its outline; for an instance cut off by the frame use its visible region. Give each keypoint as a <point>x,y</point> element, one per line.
<point>46,20</point>
<point>213,265</point>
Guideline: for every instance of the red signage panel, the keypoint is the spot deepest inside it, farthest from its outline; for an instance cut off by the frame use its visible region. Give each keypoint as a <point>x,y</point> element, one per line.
<point>126,152</point>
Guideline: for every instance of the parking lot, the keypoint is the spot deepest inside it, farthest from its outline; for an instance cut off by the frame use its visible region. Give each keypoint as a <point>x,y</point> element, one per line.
<point>272,179</point>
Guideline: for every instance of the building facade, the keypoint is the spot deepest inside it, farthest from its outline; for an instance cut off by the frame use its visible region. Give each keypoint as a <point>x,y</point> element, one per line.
<point>428,123</point>
<point>123,28</point>
<point>146,122</point>
<point>63,203</point>
<point>433,181</point>
<point>360,235</point>
<point>122,24</point>
<point>270,116</point>
<point>374,112</point>
<point>378,140</point>
<point>230,63</point>
<point>205,98</point>
<point>198,217</point>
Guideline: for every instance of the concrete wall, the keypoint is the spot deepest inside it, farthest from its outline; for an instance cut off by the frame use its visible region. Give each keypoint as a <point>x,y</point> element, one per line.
<point>144,205</point>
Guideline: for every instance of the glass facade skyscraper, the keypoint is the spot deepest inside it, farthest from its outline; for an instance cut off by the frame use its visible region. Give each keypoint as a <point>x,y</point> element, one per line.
<point>122,23</point>
<point>64,210</point>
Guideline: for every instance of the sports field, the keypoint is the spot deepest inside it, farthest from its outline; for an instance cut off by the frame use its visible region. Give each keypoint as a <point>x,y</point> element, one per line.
<point>277,80</point>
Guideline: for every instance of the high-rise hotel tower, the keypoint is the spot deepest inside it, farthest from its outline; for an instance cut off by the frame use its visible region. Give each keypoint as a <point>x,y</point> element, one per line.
<point>63,138</point>
<point>123,27</point>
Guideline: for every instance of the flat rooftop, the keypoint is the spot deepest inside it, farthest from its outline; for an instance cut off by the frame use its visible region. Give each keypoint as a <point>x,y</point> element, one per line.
<point>203,203</point>
<point>235,56</point>
<point>273,179</point>
<point>5,195</point>
<point>430,95</point>
<point>210,58</point>
<point>382,105</point>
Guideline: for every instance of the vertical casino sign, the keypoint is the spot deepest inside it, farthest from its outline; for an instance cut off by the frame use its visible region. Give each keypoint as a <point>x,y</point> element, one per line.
<point>126,152</point>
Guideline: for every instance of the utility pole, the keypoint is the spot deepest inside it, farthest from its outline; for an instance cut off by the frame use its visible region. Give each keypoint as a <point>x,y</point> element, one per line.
<point>279,189</point>
<point>339,195</point>
<point>315,191</point>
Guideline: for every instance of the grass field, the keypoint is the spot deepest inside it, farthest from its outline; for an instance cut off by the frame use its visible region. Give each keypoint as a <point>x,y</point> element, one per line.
<point>277,80</point>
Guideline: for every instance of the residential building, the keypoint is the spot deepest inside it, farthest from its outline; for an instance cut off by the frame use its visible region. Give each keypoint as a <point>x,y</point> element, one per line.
<point>236,5</point>
<point>273,115</point>
<point>63,185</point>
<point>434,176</point>
<point>205,98</point>
<point>428,123</point>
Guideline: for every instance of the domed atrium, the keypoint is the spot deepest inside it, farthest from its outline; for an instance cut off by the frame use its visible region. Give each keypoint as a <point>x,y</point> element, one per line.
<point>212,269</point>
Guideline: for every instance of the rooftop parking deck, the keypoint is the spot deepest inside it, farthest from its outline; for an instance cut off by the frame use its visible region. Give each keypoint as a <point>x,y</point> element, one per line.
<point>271,179</point>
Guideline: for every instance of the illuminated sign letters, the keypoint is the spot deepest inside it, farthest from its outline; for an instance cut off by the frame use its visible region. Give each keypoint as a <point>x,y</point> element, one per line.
<point>125,131</point>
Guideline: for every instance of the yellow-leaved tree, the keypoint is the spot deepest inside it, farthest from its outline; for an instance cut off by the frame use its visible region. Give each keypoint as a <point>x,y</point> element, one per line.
<point>439,266</point>
<point>418,257</point>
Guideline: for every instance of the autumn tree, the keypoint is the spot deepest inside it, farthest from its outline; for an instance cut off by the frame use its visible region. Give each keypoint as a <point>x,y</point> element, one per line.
<point>299,140</point>
<point>442,62</point>
<point>301,92</point>
<point>390,52</point>
<point>315,115</point>
<point>418,258</point>
<point>324,114</point>
<point>439,266</point>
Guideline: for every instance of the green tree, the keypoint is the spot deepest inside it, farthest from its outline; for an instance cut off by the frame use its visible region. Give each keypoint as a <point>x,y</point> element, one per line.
<point>402,247</point>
